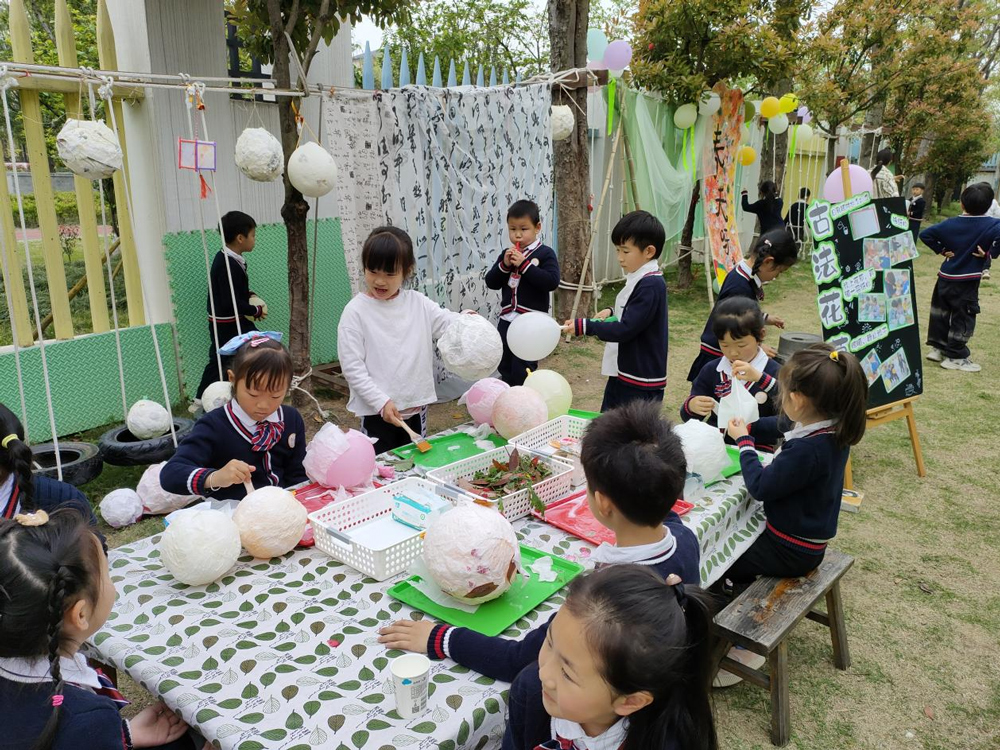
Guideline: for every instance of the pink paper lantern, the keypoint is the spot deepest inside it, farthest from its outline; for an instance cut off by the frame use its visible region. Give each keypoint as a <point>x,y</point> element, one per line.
<point>330,466</point>
<point>618,55</point>
<point>861,182</point>
<point>518,410</point>
<point>479,399</point>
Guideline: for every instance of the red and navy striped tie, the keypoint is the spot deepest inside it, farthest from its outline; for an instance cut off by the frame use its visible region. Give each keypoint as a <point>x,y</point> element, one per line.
<point>267,435</point>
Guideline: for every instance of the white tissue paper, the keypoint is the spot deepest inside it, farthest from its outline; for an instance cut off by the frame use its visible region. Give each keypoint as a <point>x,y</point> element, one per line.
<point>704,449</point>
<point>121,508</point>
<point>259,155</point>
<point>156,500</point>
<point>89,149</point>
<point>271,522</point>
<point>148,419</point>
<point>200,546</point>
<point>739,404</point>
<point>471,347</point>
<point>542,567</point>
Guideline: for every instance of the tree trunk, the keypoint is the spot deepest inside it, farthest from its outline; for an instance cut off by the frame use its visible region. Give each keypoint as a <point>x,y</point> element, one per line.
<point>831,153</point>
<point>684,275</point>
<point>774,155</point>
<point>568,38</point>
<point>870,141</point>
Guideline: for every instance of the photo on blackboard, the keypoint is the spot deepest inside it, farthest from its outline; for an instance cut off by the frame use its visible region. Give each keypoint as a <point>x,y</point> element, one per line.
<point>871,308</point>
<point>864,222</point>
<point>900,312</point>
<point>877,254</point>
<point>871,364</point>
<point>896,283</point>
<point>901,248</point>
<point>895,370</point>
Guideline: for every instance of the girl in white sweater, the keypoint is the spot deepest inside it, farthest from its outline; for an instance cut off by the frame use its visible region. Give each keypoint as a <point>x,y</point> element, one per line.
<point>385,343</point>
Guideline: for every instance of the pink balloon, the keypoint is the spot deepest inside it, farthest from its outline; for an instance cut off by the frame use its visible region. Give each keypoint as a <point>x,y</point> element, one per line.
<point>861,182</point>
<point>350,469</point>
<point>479,399</point>
<point>618,55</point>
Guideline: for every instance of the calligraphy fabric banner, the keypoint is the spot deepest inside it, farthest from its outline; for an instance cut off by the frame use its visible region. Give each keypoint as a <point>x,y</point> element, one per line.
<point>719,183</point>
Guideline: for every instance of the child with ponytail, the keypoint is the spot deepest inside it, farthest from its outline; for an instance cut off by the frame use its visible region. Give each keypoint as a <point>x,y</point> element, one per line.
<point>55,593</point>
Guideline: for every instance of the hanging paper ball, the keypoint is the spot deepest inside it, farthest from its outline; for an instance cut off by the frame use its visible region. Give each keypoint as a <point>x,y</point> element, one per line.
<point>597,42</point>
<point>271,522</point>
<point>704,449</point>
<point>256,300</point>
<point>472,553</point>
<point>618,54</point>
<point>778,124</point>
<point>685,116</point>
<point>200,546</point>
<point>121,508</point>
<point>481,397</point>
<point>311,170</point>
<point>148,419</point>
<point>259,155</point>
<point>554,390</point>
<point>471,347</point>
<point>746,155</point>
<point>744,134</point>
<point>89,149</point>
<point>788,103</point>
<point>156,500</point>
<point>749,111</point>
<point>562,121</point>
<point>533,336</point>
<point>336,458</point>
<point>709,103</point>
<point>803,134</point>
<point>770,107</point>
<point>216,395</point>
<point>861,182</point>
<point>518,410</point>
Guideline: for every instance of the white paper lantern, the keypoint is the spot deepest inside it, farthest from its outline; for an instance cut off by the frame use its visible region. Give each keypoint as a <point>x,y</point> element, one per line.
<point>311,170</point>
<point>121,508</point>
<point>518,410</point>
<point>472,553</point>
<point>217,394</point>
<point>156,500</point>
<point>563,122</point>
<point>778,124</point>
<point>271,522</point>
<point>709,103</point>
<point>704,449</point>
<point>148,419</point>
<point>200,546</point>
<point>256,300</point>
<point>89,149</point>
<point>259,155</point>
<point>471,347</point>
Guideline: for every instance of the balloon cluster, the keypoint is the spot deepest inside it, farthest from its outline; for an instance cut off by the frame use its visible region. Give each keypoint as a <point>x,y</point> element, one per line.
<point>613,57</point>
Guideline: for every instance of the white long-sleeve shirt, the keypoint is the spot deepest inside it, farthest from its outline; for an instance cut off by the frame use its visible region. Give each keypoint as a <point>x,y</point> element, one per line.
<point>386,350</point>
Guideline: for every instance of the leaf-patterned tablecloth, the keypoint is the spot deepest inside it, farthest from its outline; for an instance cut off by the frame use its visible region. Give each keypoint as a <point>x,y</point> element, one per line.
<point>283,653</point>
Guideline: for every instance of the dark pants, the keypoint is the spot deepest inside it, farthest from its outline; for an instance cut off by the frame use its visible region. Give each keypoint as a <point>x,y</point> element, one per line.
<point>617,393</point>
<point>388,436</point>
<point>226,332</point>
<point>915,228</point>
<point>528,725</point>
<point>954,307</point>
<point>769,557</point>
<point>513,371</point>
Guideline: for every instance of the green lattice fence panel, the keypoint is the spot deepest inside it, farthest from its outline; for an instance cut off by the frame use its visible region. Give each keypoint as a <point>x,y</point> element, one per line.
<point>267,266</point>
<point>83,374</point>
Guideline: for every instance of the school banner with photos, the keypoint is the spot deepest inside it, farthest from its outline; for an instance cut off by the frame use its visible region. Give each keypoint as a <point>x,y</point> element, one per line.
<point>719,183</point>
<point>862,262</point>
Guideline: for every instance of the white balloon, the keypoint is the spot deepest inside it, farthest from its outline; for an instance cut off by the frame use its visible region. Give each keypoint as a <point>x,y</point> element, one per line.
<point>89,149</point>
<point>562,121</point>
<point>200,546</point>
<point>709,103</point>
<point>259,155</point>
<point>148,419</point>
<point>803,134</point>
<point>533,336</point>
<point>778,124</point>
<point>685,116</point>
<point>311,170</point>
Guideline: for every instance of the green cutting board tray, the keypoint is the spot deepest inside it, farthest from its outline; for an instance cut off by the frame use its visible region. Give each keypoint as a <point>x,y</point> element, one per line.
<point>734,464</point>
<point>496,616</point>
<point>584,414</point>
<point>444,452</point>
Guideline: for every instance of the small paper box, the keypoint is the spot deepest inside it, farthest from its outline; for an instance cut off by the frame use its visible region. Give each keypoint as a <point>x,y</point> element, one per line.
<point>196,155</point>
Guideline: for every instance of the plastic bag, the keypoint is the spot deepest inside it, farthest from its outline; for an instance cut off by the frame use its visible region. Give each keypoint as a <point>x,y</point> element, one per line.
<point>739,404</point>
<point>704,450</point>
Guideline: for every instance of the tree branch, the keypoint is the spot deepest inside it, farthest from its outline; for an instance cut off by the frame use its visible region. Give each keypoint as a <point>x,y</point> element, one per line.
<point>293,17</point>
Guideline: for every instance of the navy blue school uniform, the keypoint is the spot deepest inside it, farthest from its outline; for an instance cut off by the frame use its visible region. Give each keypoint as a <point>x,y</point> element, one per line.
<point>505,659</point>
<point>522,289</point>
<point>275,447</point>
<point>46,494</point>
<point>225,318</point>
<point>740,282</point>
<point>770,218</point>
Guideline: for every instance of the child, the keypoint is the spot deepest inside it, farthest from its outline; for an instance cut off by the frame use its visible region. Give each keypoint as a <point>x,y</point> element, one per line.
<point>55,592</point>
<point>239,232</point>
<point>385,343</point>
<point>635,358</point>
<point>825,392</point>
<point>738,324</point>
<point>915,211</point>
<point>884,182</point>
<point>796,218</point>
<point>252,437</point>
<point>965,241</point>
<point>767,208</point>
<point>772,255</point>
<point>635,469</point>
<point>525,274</point>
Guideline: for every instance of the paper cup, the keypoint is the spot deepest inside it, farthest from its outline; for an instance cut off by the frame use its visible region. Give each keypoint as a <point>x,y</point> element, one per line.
<point>410,674</point>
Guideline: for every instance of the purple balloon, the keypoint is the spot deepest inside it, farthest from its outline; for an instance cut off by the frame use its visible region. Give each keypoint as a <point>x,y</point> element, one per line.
<point>618,55</point>
<point>804,114</point>
<point>597,65</point>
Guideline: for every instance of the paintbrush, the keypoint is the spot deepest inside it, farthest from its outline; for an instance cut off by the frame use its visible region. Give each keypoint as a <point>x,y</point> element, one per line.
<point>422,445</point>
<point>249,486</point>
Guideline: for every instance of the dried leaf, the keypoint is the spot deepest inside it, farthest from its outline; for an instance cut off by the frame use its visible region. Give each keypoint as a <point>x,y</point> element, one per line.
<point>925,588</point>
<point>929,712</point>
<point>515,460</point>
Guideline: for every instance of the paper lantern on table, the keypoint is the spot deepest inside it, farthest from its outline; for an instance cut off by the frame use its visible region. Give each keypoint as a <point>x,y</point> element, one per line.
<point>89,149</point>
<point>518,410</point>
<point>216,395</point>
<point>271,522</point>
<point>335,458</point>
<point>481,397</point>
<point>554,390</point>
<point>121,508</point>
<point>148,419</point>
<point>256,300</point>
<point>562,121</point>
<point>685,116</point>
<point>861,182</point>
<point>472,553</point>
<point>156,500</point>
<point>471,347</point>
<point>311,170</point>
<point>704,449</point>
<point>533,336</point>
<point>200,546</point>
<point>259,155</point>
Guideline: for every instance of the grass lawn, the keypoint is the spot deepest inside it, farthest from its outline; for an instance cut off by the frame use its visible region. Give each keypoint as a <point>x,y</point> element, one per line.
<point>923,599</point>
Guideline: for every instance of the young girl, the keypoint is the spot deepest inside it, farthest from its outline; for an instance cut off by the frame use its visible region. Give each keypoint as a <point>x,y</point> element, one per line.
<point>825,392</point>
<point>385,343</point>
<point>623,664</point>
<point>55,592</point>
<point>253,437</point>
<point>884,182</point>
<point>738,324</point>
<point>767,208</point>
<point>773,254</point>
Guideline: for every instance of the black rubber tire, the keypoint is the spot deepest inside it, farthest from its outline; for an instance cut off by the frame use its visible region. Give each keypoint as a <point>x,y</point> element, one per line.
<point>81,462</point>
<point>120,448</point>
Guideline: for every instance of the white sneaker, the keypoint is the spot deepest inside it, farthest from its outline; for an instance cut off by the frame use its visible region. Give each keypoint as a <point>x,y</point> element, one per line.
<point>935,355</point>
<point>727,679</point>
<point>965,365</point>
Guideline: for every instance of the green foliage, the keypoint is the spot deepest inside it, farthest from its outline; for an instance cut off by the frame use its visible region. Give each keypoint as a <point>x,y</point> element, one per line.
<point>66,210</point>
<point>616,18</point>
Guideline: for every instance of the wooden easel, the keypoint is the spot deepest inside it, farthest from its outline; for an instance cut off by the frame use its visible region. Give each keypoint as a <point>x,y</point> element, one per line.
<point>890,413</point>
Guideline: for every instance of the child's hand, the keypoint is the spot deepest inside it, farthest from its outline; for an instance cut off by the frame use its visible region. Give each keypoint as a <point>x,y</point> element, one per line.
<point>701,405</point>
<point>770,351</point>
<point>516,258</point>
<point>156,725</point>
<point>408,635</point>
<point>737,428</point>
<point>235,472</point>
<point>604,314</point>
<point>948,254</point>
<point>745,371</point>
<point>568,328</point>
<point>391,414</point>
<point>774,320</point>
<point>506,257</point>
<point>978,252</point>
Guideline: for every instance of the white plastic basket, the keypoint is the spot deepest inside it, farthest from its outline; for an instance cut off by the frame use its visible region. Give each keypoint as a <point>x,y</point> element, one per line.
<point>538,440</point>
<point>517,504</point>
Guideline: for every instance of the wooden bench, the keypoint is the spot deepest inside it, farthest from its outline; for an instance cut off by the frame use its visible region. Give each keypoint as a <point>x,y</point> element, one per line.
<point>761,618</point>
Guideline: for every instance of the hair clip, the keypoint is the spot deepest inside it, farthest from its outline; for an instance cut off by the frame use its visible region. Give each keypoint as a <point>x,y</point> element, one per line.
<point>254,338</point>
<point>835,355</point>
<point>57,700</point>
<point>674,581</point>
<point>6,441</point>
<point>767,242</point>
<point>38,518</point>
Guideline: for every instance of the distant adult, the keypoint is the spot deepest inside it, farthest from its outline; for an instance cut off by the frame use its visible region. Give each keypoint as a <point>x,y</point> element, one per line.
<point>884,181</point>
<point>767,207</point>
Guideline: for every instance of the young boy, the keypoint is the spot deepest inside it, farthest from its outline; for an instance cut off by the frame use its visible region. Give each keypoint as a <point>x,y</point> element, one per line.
<point>635,358</point>
<point>239,232</point>
<point>916,209</point>
<point>965,241</point>
<point>525,274</point>
<point>635,469</point>
<point>796,217</point>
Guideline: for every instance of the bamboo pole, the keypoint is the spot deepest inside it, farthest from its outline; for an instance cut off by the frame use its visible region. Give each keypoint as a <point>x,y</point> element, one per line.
<point>130,261</point>
<point>83,283</point>
<point>14,284</point>
<point>31,114</point>
<point>92,255</point>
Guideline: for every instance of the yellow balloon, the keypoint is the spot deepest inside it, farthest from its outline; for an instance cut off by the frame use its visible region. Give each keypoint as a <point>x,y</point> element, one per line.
<point>789,103</point>
<point>747,155</point>
<point>770,107</point>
